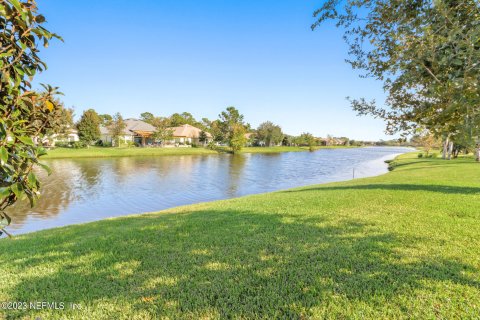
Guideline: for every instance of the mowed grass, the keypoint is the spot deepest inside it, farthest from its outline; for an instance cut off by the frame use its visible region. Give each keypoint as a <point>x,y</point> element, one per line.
<point>404,245</point>
<point>105,152</point>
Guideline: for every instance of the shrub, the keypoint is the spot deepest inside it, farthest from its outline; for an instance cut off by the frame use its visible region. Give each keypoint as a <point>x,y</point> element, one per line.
<point>62,144</point>
<point>212,146</point>
<point>392,165</point>
<point>78,144</point>
<point>420,155</point>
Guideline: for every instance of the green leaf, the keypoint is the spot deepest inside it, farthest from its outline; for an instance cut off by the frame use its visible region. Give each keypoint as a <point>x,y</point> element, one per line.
<point>3,155</point>
<point>4,192</point>
<point>19,70</point>
<point>46,168</point>
<point>32,180</point>
<point>16,4</point>
<point>26,140</point>
<point>41,151</point>
<point>17,190</point>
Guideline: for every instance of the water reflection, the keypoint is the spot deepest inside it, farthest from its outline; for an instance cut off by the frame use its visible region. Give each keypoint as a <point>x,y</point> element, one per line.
<point>235,169</point>
<point>91,189</point>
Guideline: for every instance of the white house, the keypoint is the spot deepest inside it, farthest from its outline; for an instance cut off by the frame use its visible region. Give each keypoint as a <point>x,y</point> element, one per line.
<point>70,135</point>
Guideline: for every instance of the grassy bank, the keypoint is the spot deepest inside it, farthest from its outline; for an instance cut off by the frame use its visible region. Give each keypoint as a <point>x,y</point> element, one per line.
<point>401,245</point>
<point>103,152</point>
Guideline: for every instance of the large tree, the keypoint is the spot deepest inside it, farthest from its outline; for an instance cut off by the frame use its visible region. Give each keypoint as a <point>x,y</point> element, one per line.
<point>214,128</point>
<point>426,140</point>
<point>89,126</point>
<point>105,119</point>
<point>117,128</point>
<point>163,131</point>
<point>233,128</point>
<point>237,138</point>
<point>23,113</point>
<point>147,117</point>
<point>426,54</point>
<point>179,119</point>
<point>307,139</point>
<point>269,134</point>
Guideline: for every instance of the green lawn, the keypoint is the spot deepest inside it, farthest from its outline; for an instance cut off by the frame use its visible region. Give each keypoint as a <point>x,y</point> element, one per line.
<point>105,152</point>
<point>402,245</point>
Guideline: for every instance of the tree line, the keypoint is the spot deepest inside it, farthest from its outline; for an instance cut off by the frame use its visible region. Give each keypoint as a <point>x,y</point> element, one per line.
<point>229,128</point>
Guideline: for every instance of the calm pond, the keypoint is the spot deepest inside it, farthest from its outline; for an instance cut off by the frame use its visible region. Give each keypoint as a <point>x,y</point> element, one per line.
<point>83,190</point>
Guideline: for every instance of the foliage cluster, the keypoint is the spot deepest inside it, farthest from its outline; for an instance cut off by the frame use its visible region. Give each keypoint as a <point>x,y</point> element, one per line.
<point>26,116</point>
<point>426,54</point>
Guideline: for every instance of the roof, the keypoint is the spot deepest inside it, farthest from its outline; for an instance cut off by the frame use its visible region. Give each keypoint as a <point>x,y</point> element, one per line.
<point>132,126</point>
<point>248,135</point>
<point>188,131</point>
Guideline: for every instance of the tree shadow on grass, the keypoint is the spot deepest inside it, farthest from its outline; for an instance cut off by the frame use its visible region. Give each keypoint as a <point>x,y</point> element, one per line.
<point>226,264</point>
<point>395,187</point>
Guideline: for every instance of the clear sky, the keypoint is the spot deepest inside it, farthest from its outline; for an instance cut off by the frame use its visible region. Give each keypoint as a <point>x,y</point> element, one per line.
<point>202,56</point>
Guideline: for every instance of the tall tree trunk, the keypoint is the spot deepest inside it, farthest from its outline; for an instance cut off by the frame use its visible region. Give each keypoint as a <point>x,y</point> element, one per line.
<point>450,149</point>
<point>477,152</point>
<point>446,143</point>
<point>445,147</point>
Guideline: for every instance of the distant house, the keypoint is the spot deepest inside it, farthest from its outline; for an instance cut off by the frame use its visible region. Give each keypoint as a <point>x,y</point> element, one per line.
<point>69,135</point>
<point>333,141</point>
<point>249,135</point>
<point>187,134</point>
<point>136,131</point>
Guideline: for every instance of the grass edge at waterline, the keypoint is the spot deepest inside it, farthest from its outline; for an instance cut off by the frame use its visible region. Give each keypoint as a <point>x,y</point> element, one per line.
<point>109,152</point>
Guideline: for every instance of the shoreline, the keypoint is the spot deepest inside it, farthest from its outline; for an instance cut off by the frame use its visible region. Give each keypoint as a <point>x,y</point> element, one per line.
<point>377,162</point>
<point>104,152</point>
<point>367,172</point>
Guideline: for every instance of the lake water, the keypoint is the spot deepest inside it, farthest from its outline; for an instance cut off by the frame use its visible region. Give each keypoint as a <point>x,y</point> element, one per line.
<point>83,190</point>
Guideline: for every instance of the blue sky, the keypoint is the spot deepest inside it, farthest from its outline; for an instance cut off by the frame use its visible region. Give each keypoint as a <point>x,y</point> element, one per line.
<point>202,56</point>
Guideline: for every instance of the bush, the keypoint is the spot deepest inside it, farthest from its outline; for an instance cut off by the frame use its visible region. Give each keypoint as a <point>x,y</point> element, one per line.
<point>99,143</point>
<point>420,155</point>
<point>392,165</point>
<point>432,155</point>
<point>78,144</point>
<point>62,144</point>
<point>71,144</point>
